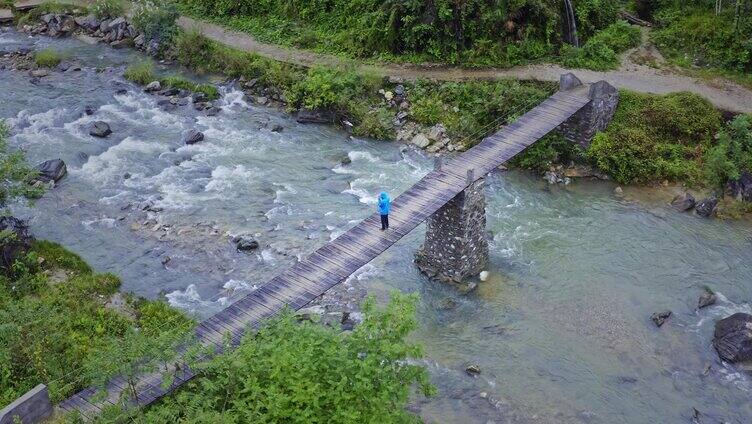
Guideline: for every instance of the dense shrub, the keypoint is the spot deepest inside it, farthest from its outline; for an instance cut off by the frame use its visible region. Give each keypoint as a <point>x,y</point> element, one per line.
<point>49,331</point>
<point>141,73</point>
<point>155,18</point>
<point>733,152</point>
<point>551,149</point>
<point>706,39</point>
<point>16,176</point>
<point>104,9</point>
<point>47,58</point>
<point>656,137</point>
<point>476,32</point>
<point>307,373</point>
<point>601,52</point>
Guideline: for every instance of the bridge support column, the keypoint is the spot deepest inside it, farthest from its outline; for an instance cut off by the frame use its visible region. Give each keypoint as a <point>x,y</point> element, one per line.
<point>456,247</point>
<point>582,127</point>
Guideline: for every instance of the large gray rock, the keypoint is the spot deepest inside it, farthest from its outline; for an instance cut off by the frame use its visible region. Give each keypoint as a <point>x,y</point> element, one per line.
<point>306,116</point>
<point>733,338</point>
<point>741,188</point>
<point>420,140</point>
<point>193,137</point>
<point>100,129</point>
<point>659,318</point>
<point>88,22</point>
<point>706,299</point>
<point>707,206</point>
<point>16,246</point>
<point>245,243</point>
<point>683,202</point>
<point>153,86</point>
<point>51,170</point>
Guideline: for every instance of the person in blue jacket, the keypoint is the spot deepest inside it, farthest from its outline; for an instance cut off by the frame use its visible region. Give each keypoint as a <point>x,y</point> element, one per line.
<point>385,205</point>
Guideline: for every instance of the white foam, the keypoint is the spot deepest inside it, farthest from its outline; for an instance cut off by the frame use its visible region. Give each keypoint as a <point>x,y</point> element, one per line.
<point>225,177</point>
<point>357,155</point>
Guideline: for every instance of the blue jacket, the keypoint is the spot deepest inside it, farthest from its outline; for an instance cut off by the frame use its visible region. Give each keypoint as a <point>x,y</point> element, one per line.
<point>385,203</point>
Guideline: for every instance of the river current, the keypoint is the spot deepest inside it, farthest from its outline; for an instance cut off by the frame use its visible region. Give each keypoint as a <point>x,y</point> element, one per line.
<point>561,331</point>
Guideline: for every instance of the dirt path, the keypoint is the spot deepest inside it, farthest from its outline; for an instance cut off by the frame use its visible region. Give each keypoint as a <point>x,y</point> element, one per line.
<point>723,94</point>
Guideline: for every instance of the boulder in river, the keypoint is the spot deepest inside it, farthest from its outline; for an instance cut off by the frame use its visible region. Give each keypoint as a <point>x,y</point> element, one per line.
<point>193,137</point>
<point>473,370</point>
<point>245,243</point>
<point>659,318</point>
<point>277,128</point>
<point>707,206</point>
<point>153,86</point>
<point>706,299</point>
<point>51,170</point>
<point>16,246</point>
<point>683,202</point>
<point>306,116</point>
<point>100,129</point>
<point>733,337</point>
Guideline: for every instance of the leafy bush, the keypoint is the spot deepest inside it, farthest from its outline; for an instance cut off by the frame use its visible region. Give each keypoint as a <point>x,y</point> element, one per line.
<point>104,9</point>
<point>551,149</point>
<point>376,123</point>
<point>475,32</point>
<point>328,88</point>
<point>656,137</point>
<point>733,152</point>
<point>601,52</point>
<point>703,38</point>
<point>141,73</point>
<point>47,58</point>
<point>308,373</point>
<point>16,176</point>
<point>179,82</point>
<point>155,18</point>
<point>53,328</point>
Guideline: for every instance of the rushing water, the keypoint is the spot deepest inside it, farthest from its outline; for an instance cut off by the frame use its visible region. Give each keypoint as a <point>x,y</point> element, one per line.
<point>561,331</point>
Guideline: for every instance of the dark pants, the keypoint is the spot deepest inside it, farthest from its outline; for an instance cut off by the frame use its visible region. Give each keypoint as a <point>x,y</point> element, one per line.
<point>384,222</point>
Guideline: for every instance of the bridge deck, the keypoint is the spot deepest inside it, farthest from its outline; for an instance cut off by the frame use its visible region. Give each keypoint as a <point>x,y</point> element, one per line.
<point>335,261</point>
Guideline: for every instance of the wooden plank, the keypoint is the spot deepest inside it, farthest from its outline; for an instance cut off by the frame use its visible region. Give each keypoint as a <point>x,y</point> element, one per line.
<point>330,266</point>
<point>312,272</point>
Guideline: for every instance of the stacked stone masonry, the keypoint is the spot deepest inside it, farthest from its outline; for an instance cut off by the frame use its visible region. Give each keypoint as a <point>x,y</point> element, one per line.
<point>456,247</point>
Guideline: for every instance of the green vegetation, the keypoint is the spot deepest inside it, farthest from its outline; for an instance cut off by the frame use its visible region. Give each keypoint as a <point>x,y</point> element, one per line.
<point>551,149</point>
<point>471,33</point>
<point>47,58</point>
<point>16,176</point>
<point>104,9</point>
<point>695,33</point>
<point>155,18</point>
<point>601,51</point>
<point>470,110</point>
<point>143,73</point>
<point>54,321</point>
<point>305,373</point>
<point>732,153</point>
<point>653,138</point>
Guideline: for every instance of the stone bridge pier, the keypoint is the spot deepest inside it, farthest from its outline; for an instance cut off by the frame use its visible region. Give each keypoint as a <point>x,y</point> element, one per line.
<point>455,246</point>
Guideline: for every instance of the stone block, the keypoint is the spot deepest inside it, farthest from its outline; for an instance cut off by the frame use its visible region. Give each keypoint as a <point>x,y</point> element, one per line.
<point>594,117</point>
<point>33,407</point>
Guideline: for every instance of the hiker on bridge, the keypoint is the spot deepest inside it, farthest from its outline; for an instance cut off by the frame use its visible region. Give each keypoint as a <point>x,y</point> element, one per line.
<point>385,205</point>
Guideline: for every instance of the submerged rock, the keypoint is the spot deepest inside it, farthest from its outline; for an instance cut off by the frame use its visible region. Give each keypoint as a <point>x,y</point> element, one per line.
<point>733,338</point>
<point>51,170</point>
<point>659,318</point>
<point>683,202</point>
<point>706,299</point>
<point>707,206</point>
<point>473,370</point>
<point>193,137</point>
<point>277,128</point>
<point>100,129</point>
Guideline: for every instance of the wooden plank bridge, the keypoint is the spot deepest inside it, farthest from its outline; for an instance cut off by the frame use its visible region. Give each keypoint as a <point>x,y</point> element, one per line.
<point>335,261</point>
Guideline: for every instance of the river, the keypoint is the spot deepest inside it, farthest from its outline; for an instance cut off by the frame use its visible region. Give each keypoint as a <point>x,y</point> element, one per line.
<point>561,331</point>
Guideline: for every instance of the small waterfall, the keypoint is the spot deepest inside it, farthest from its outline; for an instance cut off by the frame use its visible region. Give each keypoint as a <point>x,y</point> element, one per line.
<point>570,25</point>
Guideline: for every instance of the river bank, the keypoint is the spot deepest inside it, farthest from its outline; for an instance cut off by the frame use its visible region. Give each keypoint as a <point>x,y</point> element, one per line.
<point>561,331</point>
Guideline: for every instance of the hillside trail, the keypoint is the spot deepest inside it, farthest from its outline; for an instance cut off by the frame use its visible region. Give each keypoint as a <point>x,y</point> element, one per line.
<point>633,74</point>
